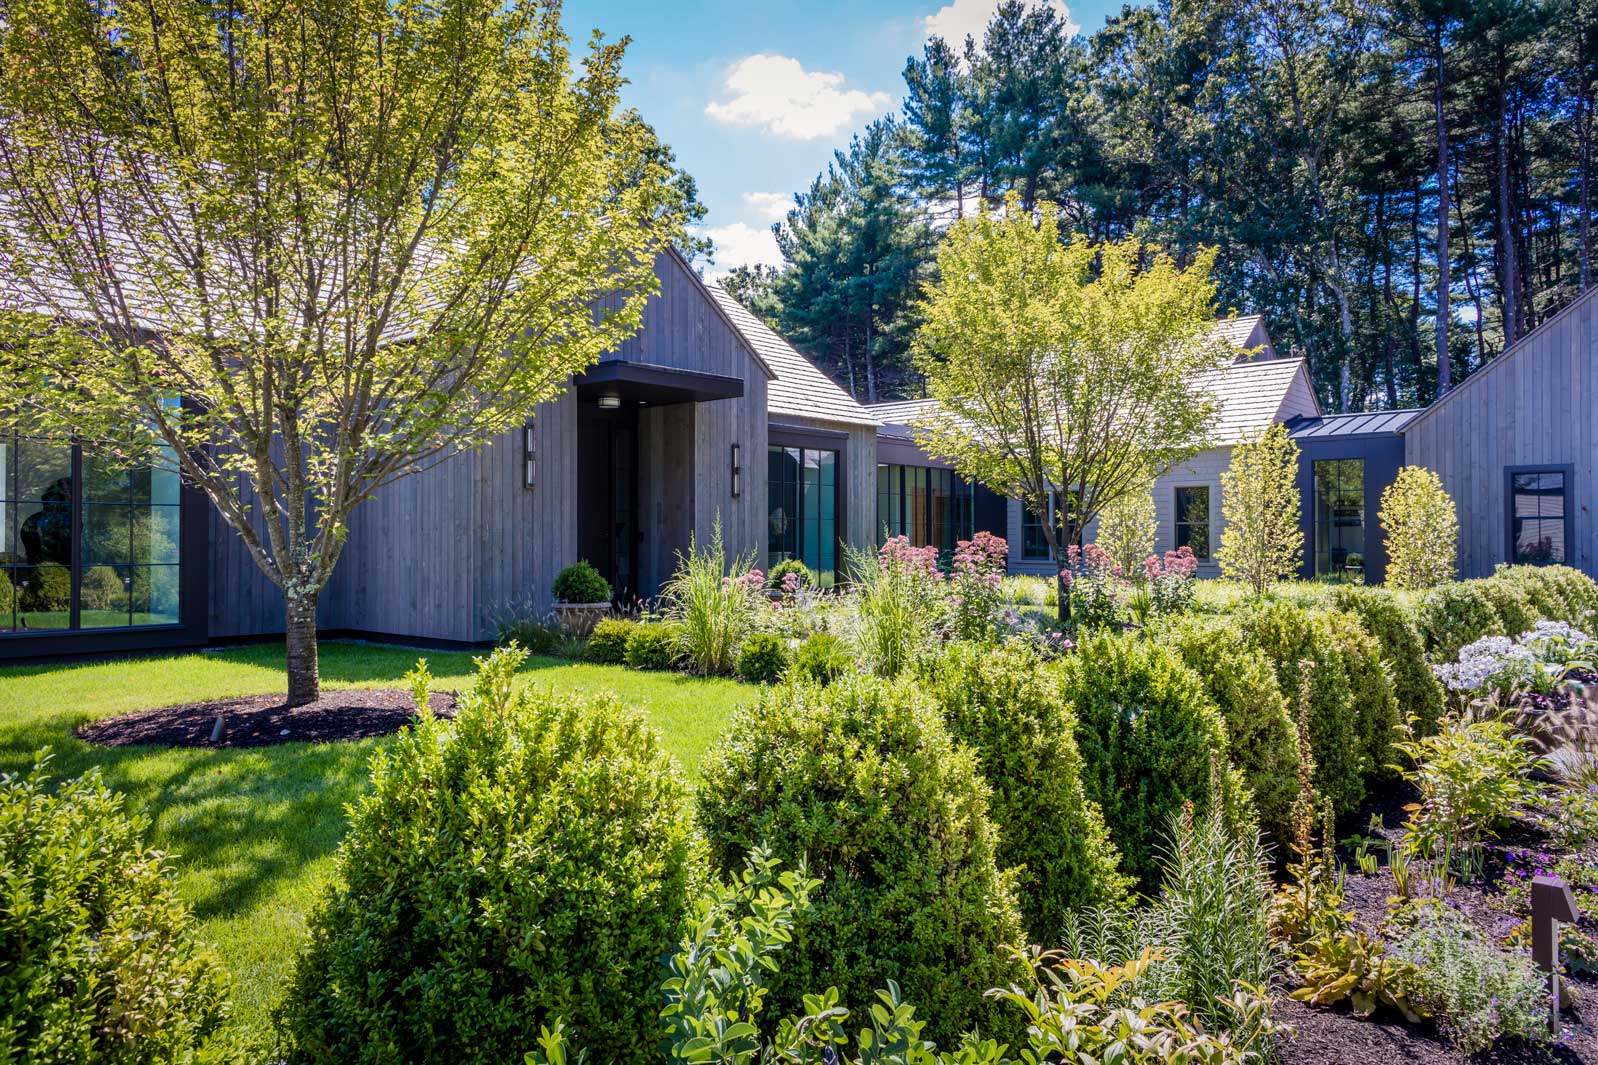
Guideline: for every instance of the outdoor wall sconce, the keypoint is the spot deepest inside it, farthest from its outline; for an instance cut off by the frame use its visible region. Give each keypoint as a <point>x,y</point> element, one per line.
<point>610,401</point>
<point>529,452</point>
<point>737,471</point>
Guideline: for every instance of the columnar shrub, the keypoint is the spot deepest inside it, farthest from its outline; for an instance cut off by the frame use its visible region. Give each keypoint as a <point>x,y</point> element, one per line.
<point>1416,687</point>
<point>1353,712</point>
<point>526,863</point>
<point>861,782</point>
<point>607,644</point>
<point>1453,615</point>
<point>1263,541</point>
<point>1422,530</point>
<point>655,645</point>
<point>1007,706</point>
<point>763,659</point>
<point>1148,735</point>
<point>1127,528</point>
<point>98,959</point>
<point>1259,724</point>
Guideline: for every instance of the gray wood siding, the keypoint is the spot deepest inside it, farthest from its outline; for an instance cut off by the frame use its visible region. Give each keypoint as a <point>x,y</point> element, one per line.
<point>1531,406</point>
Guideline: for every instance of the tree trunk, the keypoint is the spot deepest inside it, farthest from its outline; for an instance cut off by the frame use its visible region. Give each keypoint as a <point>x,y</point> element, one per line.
<point>305,682</point>
<point>1506,227</point>
<point>1584,203</point>
<point>1444,371</point>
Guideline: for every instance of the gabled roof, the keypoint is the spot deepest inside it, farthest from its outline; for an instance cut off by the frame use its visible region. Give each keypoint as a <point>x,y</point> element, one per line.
<point>1364,423</point>
<point>798,388</point>
<point>1238,331</point>
<point>1253,395</point>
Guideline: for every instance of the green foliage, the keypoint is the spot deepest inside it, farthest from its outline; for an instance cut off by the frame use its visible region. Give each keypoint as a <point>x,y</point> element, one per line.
<point>1477,991</point>
<point>1558,593</point>
<point>1514,608</point>
<point>899,605</point>
<point>526,863</point>
<point>1351,966</point>
<point>1422,530</point>
<point>1263,541</point>
<point>1007,706</point>
<point>1259,728</point>
<point>1148,734</point>
<point>1065,362</point>
<point>1127,528</point>
<point>862,781</point>
<point>98,959</point>
<point>519,623</point>
<point>1353,712</point>
<point>713,603</point>
<point>823,658</point>
<point>45,589</point>
<point>580,582</point>
<point>764,658</point>
<point>1453,615</point>
<point>607,644</point>
<point>777,573</point>
<point>655,645</point>
<point>1419,692</point>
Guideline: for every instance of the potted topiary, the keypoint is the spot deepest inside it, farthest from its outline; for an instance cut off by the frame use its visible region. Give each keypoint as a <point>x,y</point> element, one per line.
<point>582,598</point>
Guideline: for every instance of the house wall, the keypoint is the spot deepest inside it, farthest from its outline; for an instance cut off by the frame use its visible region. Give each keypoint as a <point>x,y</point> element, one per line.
<point>1383,456</point>
<point>1531,406</point>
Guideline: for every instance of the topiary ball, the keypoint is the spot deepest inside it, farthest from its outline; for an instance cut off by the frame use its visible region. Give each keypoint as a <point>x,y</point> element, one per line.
<point>1148,734</point>
<point>655,645</point>
<point>777,573</point>
<point>763,659</point>
<point>580,582</point>
<point>527,863</point>
<point>99,961</point>
<point>863,783</point>
<point>1007,707</point>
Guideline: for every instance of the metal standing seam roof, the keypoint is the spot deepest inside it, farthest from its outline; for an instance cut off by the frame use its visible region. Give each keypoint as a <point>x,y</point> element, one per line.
<point>799,388</point>
<point>1365,423</point>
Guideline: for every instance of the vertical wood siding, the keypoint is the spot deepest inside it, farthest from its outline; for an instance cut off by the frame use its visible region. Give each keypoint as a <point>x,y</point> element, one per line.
<point>1531,406</point>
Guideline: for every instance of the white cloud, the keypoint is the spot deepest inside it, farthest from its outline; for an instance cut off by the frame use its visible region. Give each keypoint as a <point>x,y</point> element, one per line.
<point>769,206</point>
<point>962,18</point>
<point>779,94</point>
<point>743,245</point>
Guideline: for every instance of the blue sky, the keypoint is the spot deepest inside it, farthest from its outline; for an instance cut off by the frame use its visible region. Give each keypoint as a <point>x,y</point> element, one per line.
<point>755,96</point>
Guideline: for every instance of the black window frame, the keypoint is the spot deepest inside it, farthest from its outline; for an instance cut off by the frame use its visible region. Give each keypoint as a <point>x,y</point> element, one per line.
<point>1177,521</point>
<point>1322,529</point>
<point>1568,472</point>
<point>802,439</point>
<point>893,486</point>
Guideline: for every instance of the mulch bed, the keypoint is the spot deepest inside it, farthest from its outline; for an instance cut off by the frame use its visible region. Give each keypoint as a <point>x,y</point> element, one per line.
<point>1335,1035</point>
<point>264,720</point>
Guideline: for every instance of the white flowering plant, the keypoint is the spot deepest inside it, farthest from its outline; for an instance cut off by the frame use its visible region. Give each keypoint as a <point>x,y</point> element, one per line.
<point>1534,661</point>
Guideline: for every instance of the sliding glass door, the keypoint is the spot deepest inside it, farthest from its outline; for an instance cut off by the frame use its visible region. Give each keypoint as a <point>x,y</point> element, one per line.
<point>802,487</point>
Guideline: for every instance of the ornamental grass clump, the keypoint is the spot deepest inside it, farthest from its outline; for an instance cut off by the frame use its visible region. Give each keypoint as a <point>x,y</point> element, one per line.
<point>99,960</point>
<point>1007,706</point>
<point>526,863</point>
<point>862,781</point>
<point>900,604</point>
<point>714,603</point>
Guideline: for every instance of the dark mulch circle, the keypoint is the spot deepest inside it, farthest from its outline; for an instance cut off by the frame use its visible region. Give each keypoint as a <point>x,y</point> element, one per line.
<point>263,720</point>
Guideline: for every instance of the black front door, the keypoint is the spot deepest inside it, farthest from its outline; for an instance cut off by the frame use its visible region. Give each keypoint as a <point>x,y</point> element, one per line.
<point>607,494</point>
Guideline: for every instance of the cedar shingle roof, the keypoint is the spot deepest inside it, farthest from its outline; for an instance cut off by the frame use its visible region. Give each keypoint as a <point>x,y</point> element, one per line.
<point>1236,331</point>
<point>799,388</point>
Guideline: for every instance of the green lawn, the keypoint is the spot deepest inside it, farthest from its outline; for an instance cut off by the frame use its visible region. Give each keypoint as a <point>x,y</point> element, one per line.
<point>255,830</point>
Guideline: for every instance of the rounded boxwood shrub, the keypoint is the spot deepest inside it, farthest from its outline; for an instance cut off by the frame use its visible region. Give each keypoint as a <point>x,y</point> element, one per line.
<point>527,863</point>
<point>1516,613</point>
<point>763,658</point>
<point>774,577</point>
<point>99,960</point>
<point>823,657</point>
<point>654,645</point>
<point>607,644</point>
<point>45,589</point>
<point>580,582</point>
<point>1008,708</point>
<point>1353,712</point>
<point>1415,686</point>
<point>1559,593</point>
<point>1260,735</point>
<point>862,782</point>
<point>1452,615</point>
<point>1148,734</point>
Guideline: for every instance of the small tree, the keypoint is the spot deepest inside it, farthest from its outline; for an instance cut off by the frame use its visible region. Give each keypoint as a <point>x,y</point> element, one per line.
<point>1076,369</point>
<point>1422,530</point>
<point>1127,528</point>
<point>355,239</point>
<point>1263,541</point>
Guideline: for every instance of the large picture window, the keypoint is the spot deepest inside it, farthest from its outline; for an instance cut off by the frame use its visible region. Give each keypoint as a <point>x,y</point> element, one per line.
<point>928,506</point>
<point>1340,517</point>
<point>1193,520</point>
<point>802,486</point>
<point>84,544</point>
<point>1539,515</point>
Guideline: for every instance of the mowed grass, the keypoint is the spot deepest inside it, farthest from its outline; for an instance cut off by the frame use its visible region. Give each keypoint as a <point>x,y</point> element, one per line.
<point>254,831</point>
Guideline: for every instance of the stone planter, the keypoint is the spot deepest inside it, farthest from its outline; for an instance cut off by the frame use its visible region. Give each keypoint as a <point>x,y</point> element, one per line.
<point>579,619</point>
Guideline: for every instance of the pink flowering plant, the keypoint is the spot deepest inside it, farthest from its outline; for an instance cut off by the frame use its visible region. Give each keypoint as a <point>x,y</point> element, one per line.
<point>976,587</point>
<point>1097,586</point>
<point>901,603</point>
<point>1170,580</point>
